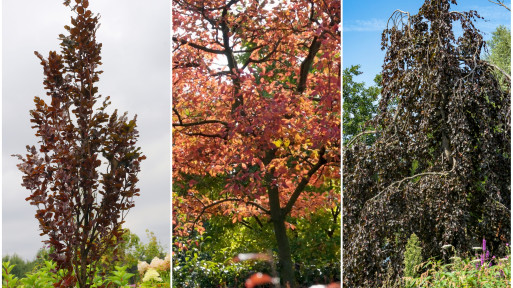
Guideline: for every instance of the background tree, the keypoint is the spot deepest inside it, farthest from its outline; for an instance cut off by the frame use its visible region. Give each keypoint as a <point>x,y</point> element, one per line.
<point>21,266</point>
<point>81,202</point>
<point>500,52</point>
<point>256,100</point>
<point>129,251</point>
<point>359,103</point>
<point>440,165</point>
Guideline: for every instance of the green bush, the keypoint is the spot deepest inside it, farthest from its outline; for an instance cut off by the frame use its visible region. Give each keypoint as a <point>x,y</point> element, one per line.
<point>206,260</point>
<point>466,272</point>
<point>46,275</point>
<point>412,256</point>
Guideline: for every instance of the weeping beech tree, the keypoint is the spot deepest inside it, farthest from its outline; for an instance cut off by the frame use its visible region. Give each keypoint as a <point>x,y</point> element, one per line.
<point>440,165</point>
<point>81,203</point>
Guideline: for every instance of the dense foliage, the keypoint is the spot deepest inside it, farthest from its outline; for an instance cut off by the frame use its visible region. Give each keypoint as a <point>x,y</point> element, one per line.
<point>360,103</point>
<point>500,53</point>
<point>208,260</point>
<point>128,263</point>
<point>481,270</point>
<point>256,102</point>
<point>412,256</point>
<point>440,165</point>
<point>81,201</point>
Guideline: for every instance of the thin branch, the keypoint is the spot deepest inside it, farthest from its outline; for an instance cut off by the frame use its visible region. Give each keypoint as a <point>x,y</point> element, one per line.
<point>265,58</point>
<point>205,207</point>
<point>500,3</point>
<point>498,68</point>
<point>177,114</point>
<point>203,48</point>
<point>206,135</point>
<point>304,181</point>
<point>399,182</point>
<point>358,135</point>
<point>203,122</point>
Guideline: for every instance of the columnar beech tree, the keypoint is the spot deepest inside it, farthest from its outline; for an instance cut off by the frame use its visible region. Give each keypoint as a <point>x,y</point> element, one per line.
<point>256,100</point>
<point>81,200</point>
<point>440,165</point>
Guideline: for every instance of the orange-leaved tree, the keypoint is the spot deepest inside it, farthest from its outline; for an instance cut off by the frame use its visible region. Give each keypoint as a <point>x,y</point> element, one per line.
<point>256,101</point>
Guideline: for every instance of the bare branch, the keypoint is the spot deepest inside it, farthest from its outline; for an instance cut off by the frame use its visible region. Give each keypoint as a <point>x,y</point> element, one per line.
<point>399,182</point>
<point>500,3</point>
<point>206,135</point>
<point>358,135</point>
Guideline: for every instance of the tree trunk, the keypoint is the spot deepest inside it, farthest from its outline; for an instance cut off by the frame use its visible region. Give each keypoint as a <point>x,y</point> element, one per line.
<point>284,255</point>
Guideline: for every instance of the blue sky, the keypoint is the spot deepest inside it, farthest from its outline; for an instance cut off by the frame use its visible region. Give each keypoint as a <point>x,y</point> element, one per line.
<point>364,21</point>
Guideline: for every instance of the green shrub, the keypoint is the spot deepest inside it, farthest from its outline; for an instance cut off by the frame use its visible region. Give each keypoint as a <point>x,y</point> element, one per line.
<point>46,275</point>
<point>8,279</point>
<point>466,272</point>
<point>412,256</point>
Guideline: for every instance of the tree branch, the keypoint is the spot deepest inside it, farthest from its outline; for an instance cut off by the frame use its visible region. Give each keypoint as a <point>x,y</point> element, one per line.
<point>500,3</point>
<point>265,58</point>
<point>206,135</point>
<point>205,207</point>
<point>304,181</point>
<point>307,63</point>
<point>399,182</point>
<point>203,122</point>
<point>498,68</point>
<point>203,48</point>
<point>358,135</point>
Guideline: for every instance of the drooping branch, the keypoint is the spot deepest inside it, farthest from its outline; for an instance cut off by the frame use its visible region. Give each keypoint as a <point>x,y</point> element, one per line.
<point>358,136</point>
<point>498,68</point>
<point>500,3</point>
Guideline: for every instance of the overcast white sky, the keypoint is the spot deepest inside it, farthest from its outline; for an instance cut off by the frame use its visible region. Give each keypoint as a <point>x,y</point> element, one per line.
<point>136,61</point>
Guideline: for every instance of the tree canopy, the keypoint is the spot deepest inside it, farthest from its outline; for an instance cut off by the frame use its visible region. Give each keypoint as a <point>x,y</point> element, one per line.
<point>256,101</point>
<point>359,103</point>
<point>500,52</point>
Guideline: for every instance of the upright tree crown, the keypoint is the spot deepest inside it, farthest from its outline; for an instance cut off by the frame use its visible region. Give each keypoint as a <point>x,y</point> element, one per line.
<point>440,165</point>
<point>81,201</point>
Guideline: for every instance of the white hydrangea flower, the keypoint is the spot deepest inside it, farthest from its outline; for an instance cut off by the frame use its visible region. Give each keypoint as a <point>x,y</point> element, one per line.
<point>158,264</point>
<point>152,274</point>
<point>142,267</point>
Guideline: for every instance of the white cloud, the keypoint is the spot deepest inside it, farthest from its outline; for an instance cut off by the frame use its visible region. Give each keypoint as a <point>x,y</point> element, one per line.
<point>364,25</point>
